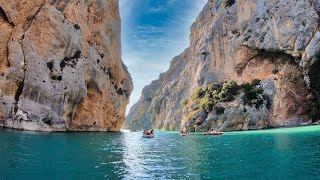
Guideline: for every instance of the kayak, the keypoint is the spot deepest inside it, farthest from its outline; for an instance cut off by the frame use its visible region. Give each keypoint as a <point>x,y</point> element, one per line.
<point>182,134</point>
<point>217,133</point>
<point>148,135</point>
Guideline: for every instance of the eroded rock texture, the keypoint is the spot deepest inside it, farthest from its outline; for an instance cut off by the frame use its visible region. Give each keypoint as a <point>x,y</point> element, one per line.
<point>276,41</point>
<point>60,66</point>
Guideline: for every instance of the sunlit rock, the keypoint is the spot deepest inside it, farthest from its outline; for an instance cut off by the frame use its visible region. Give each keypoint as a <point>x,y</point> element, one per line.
<point>275,41</point>
<point>61,67</point>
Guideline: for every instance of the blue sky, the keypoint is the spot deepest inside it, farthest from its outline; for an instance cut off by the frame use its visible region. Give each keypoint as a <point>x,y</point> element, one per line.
<point>153,32</point>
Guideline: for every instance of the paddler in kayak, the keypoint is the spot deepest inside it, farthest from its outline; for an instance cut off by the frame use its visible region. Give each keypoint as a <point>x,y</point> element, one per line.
<point>184,132</point>
<point>213,132</point>
<point>147,134</point>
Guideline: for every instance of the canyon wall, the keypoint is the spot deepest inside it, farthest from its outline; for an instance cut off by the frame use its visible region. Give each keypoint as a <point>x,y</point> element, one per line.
<point>275,41</point>
<point>61,67</point>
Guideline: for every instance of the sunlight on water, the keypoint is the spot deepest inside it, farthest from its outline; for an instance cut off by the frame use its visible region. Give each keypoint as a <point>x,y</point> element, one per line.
<point>308,129</point>
<point>267,154</point>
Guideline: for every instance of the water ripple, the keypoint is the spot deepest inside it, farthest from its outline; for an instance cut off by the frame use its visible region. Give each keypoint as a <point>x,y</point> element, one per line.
<point>266,154</point>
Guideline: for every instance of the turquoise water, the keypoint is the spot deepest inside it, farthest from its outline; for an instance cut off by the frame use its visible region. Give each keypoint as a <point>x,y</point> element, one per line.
<point>269,154</point>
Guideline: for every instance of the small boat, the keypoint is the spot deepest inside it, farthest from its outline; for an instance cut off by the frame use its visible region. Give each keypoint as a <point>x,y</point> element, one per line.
<point>183,134</point>
<point>150,135</point>
<point>213,133</point>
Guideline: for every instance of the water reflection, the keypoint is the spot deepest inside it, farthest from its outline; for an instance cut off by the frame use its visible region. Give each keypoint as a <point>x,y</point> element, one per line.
<point>170,156</point>
<point>132,155</point>
<point>271,155</point>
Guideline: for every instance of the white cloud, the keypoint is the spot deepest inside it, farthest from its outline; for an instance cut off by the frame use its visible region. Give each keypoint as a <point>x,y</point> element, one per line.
<point>148,49</point>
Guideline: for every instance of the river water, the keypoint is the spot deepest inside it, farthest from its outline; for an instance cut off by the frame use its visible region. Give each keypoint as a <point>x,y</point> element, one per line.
<point>292,153</point>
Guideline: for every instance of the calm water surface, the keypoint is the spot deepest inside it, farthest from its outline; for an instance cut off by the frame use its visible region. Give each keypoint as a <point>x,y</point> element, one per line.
<point>270,154</point>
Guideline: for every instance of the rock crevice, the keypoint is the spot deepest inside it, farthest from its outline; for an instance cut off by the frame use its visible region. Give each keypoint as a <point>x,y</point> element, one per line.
<point>5,17</point>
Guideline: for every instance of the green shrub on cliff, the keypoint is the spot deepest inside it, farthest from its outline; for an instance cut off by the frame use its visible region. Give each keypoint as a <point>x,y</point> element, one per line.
<point>207,97</point>
<point>228,91</point>
<point>206,103</point>
<point>247,87</point>
<point>255,82</point>
<point>184,102</point>
<point>199,93</point>
<point>252,94</point>
<point>214,86</point>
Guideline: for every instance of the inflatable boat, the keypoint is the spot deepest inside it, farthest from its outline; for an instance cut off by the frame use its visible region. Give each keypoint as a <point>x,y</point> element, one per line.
<point>213,133</point>
<point>146,135</point>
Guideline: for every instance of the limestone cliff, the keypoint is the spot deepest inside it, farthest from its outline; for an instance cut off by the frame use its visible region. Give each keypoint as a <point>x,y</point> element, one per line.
<point>60,66</point>
<point>276,41</point>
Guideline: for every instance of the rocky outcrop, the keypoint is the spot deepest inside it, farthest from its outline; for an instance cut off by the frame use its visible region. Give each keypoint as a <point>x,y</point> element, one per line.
<point>60,66</point>
<point>276,41</point>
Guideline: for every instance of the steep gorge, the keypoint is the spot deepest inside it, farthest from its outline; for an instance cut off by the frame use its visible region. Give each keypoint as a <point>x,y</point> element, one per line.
<point>275,41</point>
<point>61,67</point>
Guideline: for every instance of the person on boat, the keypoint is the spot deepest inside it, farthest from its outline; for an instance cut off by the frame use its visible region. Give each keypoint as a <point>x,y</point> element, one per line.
<point>147,132</point>
<point>183,131</point>
<point>151,132</point>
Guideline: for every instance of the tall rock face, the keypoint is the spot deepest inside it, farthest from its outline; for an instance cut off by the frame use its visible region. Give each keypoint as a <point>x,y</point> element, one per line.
<point>60,66</point>
<point>275,41</point>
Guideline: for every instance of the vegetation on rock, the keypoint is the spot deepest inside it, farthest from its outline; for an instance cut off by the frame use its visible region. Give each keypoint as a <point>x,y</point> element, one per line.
<point>252,94</point>
<point>210,97</point>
